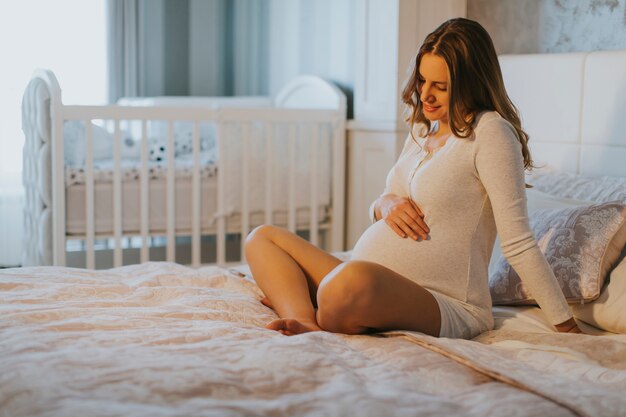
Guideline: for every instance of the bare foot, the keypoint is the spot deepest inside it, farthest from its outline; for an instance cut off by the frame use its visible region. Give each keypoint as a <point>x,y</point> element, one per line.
<point>290,327</point>
<point>267,303</point>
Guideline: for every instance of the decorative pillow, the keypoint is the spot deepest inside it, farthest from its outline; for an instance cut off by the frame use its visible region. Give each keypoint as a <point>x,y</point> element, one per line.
<point>581,244</point>
<point>608,312</point>
<point>537,200</point>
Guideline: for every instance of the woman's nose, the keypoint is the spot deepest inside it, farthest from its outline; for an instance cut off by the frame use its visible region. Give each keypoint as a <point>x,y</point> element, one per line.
<point>425,94</point>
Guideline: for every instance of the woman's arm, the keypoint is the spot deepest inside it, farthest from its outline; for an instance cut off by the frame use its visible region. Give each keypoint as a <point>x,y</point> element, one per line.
<point>499,164</point>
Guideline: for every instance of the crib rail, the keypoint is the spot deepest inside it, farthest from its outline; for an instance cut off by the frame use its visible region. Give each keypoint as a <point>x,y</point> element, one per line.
<point>268,118</point>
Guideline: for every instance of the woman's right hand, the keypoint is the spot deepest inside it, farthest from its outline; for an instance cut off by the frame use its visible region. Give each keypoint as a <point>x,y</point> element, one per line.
<point>403,216</point>
<point>569,326</point>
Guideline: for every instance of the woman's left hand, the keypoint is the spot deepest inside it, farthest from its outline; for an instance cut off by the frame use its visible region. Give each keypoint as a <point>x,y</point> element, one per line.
<point>568,326</point>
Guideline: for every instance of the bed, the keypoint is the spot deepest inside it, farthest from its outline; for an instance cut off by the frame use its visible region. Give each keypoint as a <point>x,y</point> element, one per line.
<point>160,338</point>
<point>179,178</point>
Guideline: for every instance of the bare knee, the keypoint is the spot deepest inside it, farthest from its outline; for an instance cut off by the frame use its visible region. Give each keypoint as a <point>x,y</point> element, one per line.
<point>343,297</point>
<point>260,233</point>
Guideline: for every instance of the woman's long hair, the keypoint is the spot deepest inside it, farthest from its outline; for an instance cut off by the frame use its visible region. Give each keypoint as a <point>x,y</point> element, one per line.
<point>475,80</point>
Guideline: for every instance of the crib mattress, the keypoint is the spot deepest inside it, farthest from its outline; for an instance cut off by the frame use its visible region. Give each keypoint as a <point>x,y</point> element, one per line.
<point>157,207</point>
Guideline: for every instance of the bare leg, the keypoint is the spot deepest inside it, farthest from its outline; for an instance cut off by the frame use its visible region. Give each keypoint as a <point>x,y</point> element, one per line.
<point>288,269</point>
<point>360,297</point>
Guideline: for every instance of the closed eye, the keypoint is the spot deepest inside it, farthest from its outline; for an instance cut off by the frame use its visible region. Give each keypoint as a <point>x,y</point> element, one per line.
<point>441,86</point>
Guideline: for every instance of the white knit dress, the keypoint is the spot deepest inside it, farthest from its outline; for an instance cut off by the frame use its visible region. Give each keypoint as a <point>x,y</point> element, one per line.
<point>468,189</point>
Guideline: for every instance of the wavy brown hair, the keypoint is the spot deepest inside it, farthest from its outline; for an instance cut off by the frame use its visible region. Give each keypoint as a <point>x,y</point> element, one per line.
<point>475,80</point>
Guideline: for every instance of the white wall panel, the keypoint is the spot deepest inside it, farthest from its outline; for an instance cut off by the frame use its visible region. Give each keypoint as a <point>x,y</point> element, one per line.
<point>603,160</point>
<point>547,91</point>
<point>555,156</point>
<point>604,110</point>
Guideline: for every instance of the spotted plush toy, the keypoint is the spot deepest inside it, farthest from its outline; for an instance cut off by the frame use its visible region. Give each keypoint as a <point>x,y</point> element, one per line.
<point>157,150</point>
<point>183,144</point>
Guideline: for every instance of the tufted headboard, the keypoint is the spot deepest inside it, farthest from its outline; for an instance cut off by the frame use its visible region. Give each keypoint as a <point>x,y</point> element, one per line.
<point>40,97</point>
<point>572,106</point>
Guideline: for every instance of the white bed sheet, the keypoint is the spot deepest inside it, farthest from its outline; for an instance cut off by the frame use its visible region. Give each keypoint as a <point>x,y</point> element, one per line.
<point>533,320</point>
<point>160,339</point>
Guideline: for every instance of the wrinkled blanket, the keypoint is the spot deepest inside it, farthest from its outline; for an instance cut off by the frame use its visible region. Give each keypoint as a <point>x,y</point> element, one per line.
<point>160,339</point>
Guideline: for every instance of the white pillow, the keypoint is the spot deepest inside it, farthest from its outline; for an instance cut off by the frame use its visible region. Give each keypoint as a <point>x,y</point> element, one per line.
<point>538,200</point>
<point>567,185</point>
<point>75,151</point>
<point>608,312</point>
<point>74,143</point>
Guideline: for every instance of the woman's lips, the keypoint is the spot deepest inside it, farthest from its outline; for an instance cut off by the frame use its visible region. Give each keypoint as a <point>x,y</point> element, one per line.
<point>429,109</point>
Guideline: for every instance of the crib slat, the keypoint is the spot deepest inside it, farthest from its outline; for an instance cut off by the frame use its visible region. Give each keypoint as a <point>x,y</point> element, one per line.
<point>89,197</point>
<point>117,195</point>
<point>59,234</point>
<point>171,195</point>
<point>313,172</point>
<point>291,223</point>
<point>338,143</point>
<point>143,252</point>
<point>195,227</point>
<point>220,139</point>
<point>245,189</point>
<point>269,163</point>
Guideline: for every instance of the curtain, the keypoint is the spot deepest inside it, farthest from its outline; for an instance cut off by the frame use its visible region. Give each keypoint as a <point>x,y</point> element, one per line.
<point>188,47</point>
<point>126,58</point>
<point>250,47</point>
<point>227,47</point>
<point>312,37</point>
<point>68,37</point>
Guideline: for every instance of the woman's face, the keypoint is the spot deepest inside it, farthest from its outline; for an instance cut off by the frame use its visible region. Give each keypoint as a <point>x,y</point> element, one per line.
<point>433,87</point>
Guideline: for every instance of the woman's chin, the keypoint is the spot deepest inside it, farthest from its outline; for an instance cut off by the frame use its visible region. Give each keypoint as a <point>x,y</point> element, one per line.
<point>432,116</point>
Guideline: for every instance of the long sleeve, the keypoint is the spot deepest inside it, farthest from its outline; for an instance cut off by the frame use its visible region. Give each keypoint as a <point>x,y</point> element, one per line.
<point>499,164</point>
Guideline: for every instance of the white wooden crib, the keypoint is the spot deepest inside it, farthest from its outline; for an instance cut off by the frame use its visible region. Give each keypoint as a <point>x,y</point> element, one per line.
<point>182,179</point>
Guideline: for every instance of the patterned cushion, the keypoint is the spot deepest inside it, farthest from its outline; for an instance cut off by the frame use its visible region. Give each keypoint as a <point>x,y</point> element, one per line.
<point>537,200</point>
<point>581,244</point>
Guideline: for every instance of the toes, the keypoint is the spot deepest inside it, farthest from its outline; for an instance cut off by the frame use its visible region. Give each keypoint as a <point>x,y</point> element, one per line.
<point>278,325</point>
<point>266,302</point>
<point>295,327</point>
<point>290,327</point>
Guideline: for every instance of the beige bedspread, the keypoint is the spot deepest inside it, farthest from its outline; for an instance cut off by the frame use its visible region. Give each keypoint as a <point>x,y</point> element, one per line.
<point>160,339</point>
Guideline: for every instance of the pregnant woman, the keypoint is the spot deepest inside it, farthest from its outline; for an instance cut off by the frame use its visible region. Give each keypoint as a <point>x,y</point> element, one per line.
<point>422,265</point>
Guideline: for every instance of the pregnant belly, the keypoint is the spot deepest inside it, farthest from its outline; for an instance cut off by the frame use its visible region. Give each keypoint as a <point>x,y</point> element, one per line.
<point>380,244</point>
